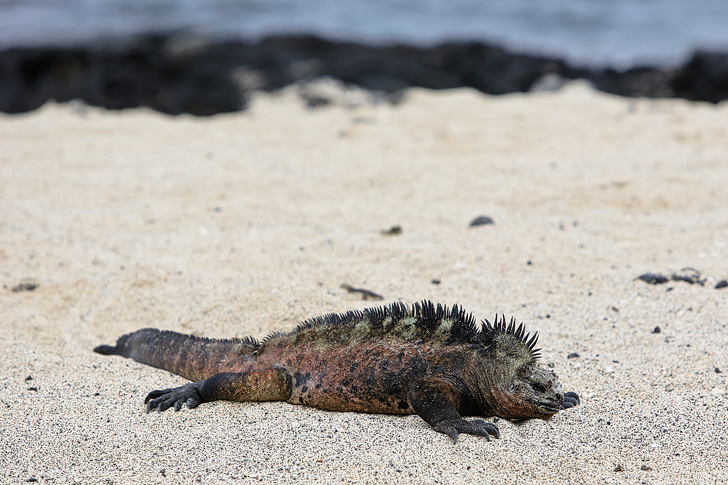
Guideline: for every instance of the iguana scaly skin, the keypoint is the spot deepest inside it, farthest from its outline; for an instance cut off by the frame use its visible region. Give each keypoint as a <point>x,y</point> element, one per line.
<point>429,360</point>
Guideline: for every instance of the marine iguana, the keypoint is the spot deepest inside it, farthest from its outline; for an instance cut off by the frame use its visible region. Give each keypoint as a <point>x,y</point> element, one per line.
<point>429,360</point>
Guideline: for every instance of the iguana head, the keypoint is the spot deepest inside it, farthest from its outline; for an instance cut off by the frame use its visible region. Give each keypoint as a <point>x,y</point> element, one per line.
<point>534,392</point>
<point>511,383</point>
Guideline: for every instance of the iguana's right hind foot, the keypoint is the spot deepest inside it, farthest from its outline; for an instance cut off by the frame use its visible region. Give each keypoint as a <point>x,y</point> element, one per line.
<point>188,395</point>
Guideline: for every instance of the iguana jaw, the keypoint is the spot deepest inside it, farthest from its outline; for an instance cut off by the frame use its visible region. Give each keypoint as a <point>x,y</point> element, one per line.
<point>512,405</point>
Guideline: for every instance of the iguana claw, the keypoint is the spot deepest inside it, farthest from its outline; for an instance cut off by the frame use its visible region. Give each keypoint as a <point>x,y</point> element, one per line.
<point>175,397</point>
<point>571,399</point>
<point>478,427</point>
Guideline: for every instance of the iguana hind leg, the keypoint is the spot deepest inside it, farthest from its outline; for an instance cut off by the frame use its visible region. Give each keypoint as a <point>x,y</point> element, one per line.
<point>255,385</point>
<point>435,401</point>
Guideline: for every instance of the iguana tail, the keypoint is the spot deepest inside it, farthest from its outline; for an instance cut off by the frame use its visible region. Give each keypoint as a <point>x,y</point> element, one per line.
<point>194,358</point>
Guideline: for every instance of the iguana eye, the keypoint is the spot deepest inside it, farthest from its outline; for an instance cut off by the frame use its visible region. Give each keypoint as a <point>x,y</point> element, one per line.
<point>537,387</point>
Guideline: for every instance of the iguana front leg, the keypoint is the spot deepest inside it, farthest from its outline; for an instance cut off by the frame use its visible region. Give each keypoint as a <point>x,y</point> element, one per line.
<point>571,399</point>
<point>435,401</point>
<point>258,385</point>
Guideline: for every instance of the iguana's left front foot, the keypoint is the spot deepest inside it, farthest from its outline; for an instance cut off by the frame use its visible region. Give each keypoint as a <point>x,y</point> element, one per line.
<point>164,399</point>
<point>571,399</point>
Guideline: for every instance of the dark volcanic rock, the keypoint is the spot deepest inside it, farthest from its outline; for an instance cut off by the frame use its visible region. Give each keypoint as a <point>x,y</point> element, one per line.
<point>639,81</point>
<point>481,221</point>
<point>704,78</point>
<point>653,278</point>
<point>141,74</point>
<point>188,74</point>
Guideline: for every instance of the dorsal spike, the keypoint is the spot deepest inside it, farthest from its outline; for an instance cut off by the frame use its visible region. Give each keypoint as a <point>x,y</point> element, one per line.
<point>427,324</point>
<point>511,325</point>
<point>513,328</point>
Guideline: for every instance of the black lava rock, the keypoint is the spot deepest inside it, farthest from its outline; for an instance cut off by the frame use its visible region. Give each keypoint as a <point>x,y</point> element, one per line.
<point>182,73</point>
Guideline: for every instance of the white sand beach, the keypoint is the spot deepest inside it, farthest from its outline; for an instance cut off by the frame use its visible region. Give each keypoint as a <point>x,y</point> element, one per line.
<point>248,223</point>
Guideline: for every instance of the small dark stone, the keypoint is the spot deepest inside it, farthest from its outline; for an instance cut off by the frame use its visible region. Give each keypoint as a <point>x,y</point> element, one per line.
<point>365,294</point>
<point>653,278</point>
<point>721,284</point>
<point>29,378</point>
<point>573,355</point>
<point>645,468</point>
<point>688,275</point>
<point>529,263</point>
<point>656,330</point>
<point>618,468</point>
<point>33,389</point>
<point>316,101</point>
<point>481,221</point>
<point>435,282</point>
<point>393,231</point>
<point>717,370</point>
<point>25,286</point>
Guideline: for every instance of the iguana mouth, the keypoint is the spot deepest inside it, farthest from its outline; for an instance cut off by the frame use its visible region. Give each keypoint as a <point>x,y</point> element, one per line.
<point>551,406</point>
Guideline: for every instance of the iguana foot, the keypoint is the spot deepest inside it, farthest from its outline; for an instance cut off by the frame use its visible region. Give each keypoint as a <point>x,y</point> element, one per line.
<point>164,399</point>
<point>478,427</point>
<point>571,399</point>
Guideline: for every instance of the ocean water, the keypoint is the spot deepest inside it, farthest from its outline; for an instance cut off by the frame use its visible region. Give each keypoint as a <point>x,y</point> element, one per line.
<point>617,33</point>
